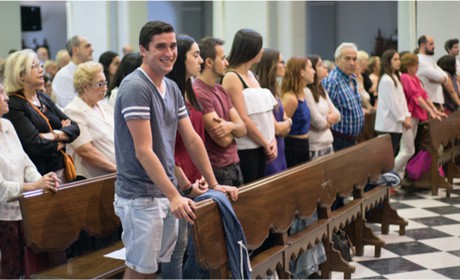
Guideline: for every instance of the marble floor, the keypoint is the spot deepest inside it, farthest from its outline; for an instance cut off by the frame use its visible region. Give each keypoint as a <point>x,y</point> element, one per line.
<point>430,249</point>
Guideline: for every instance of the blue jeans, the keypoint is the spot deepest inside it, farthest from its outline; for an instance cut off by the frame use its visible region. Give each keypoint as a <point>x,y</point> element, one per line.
<point>173,269</point>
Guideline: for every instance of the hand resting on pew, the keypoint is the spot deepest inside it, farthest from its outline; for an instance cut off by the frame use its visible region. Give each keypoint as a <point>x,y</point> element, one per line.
<point>48,181</point>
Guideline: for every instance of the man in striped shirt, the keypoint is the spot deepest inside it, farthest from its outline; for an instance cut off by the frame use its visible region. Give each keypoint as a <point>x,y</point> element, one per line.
<point>149,110</point>
<point>342,88</point>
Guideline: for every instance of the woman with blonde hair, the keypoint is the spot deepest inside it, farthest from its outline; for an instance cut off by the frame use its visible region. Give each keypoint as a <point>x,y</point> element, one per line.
<point>299,73</point>
<point>42,127</point>
<point>93,151</point>
<point>373,70</point>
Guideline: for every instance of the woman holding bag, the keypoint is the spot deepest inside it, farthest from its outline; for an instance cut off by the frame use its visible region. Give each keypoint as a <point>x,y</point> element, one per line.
<point>42,127</point>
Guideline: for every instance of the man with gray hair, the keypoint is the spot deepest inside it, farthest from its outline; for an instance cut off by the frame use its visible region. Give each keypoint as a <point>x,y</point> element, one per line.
<point>80,50</point>
<point>342,87</point>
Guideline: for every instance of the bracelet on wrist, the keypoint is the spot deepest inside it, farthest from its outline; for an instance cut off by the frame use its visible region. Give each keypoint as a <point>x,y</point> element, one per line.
<point>211,188</point>
<point>187,189</point>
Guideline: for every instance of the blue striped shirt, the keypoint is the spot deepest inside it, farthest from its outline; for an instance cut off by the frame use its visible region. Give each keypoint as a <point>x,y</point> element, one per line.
<point>347,100</point>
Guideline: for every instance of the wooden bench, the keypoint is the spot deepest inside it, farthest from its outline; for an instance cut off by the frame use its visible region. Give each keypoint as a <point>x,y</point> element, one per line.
<point>441,139</point>
<point>269,206</point>
<point>53,221</point>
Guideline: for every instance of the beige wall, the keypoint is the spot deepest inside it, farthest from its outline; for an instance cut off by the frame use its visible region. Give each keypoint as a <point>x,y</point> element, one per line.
<point>10,27</point>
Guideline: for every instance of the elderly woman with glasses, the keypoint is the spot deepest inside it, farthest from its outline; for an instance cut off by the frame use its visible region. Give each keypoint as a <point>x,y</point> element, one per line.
<point>93,151</point>
<point>42,127</point>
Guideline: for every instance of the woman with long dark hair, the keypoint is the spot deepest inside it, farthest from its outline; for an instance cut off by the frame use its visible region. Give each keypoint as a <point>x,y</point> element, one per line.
<point>190,180</point>
<point>268,70</point>
<point>323,113</point>
<point>392,116</point>
<point>128,64</point>
<point>450,88</point>
<point>110,61</point>
<point>253,103</point>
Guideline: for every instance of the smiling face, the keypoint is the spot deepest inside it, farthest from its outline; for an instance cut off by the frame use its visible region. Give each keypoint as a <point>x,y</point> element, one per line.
<point>162,53</point>
<point>193,61</point>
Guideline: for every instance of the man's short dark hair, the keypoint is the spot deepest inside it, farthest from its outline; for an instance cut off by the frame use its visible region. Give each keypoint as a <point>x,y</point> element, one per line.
<point>74,41</point>
<point>449,44</point>
<point>421,40</point>
<point>208,48</point>
<point>151,29</point>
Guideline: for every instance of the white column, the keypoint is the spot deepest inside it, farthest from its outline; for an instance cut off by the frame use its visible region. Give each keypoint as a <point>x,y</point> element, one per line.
<point>231,16</point>
<point>407,25</point>
<point>10,27</point>
<point>291,28</point>
<point>90,19</point>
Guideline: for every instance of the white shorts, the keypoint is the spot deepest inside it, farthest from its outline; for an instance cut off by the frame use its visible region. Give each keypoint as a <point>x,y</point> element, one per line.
<point>149,231</point>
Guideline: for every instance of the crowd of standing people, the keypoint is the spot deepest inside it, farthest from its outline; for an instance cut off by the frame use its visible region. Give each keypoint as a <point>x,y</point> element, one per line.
<point>178,119</point>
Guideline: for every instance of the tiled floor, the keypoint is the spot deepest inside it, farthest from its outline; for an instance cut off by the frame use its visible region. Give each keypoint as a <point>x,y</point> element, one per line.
<point>431,247</point>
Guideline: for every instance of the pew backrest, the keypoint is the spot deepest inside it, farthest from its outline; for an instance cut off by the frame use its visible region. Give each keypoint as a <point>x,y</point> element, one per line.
<point>53,221</point>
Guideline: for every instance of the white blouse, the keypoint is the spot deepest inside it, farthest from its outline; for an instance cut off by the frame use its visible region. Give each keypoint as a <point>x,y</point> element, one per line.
<point>16,168</point>
<point>259,103</point>
<point>97,128</point>
<point>392,109</point>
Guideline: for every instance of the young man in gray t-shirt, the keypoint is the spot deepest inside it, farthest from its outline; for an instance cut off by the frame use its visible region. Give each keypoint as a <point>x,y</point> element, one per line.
<point>148,112</point>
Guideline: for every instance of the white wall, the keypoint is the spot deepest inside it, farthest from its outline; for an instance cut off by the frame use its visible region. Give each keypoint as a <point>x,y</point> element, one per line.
<point>53,26</point>
<point>231,16</point>
<point>440,20</point>
<point>10,27</point>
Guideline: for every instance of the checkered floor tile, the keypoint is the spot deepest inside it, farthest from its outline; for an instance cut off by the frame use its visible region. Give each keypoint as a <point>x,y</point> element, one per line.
<point>430,249</point>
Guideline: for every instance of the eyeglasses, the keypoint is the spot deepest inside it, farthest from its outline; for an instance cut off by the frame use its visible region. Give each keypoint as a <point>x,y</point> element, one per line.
<point>101,84</point>
<point>37,66</point>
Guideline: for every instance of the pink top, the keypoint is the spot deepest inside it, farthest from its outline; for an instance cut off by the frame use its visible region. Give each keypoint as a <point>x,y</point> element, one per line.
<point>181,155</point>
<point>413,90</point>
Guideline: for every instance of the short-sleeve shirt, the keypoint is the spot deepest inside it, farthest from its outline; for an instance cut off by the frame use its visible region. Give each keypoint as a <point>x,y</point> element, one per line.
<point>214,99</point>
<point>139,99</point>
<point>96,127</point>
<point>347,100</point>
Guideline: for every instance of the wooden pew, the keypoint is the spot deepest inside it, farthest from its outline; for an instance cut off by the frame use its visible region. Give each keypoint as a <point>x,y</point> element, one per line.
<point>441,139</point>
<point>270,205</point>
<point>53,221</point>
